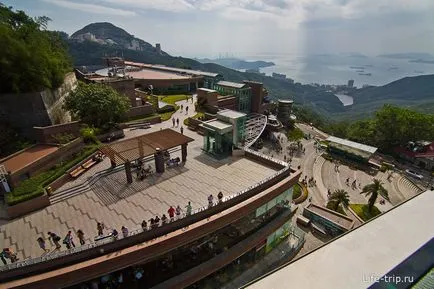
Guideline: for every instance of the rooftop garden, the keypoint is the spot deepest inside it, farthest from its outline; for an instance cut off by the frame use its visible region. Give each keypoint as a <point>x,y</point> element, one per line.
<point>35,186</point>
<point>362,210</point>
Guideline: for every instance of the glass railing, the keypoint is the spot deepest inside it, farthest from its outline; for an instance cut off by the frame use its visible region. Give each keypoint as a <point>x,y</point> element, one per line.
<point>110,239</point>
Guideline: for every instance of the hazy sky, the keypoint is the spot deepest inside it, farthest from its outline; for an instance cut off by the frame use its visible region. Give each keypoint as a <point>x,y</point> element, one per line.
<point>209,27</point>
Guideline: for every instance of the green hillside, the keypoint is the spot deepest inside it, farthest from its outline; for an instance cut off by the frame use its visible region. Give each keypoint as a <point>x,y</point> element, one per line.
<point>415,92</point>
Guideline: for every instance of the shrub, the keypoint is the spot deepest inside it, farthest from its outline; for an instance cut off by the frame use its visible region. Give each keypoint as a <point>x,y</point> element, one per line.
<point>63,138</point>
<point>296,192</point>
<point>327,157</point>
<point>89,134</point>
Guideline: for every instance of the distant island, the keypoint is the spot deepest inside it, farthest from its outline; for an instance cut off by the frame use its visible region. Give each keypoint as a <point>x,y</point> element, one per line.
<point>408,55</point>
<point>422,61</point>
<point>235,63</point>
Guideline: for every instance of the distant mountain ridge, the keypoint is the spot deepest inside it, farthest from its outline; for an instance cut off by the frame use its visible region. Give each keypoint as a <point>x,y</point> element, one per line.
<point>105,33</point>
<point>235,63</point>
<point>407,55</point>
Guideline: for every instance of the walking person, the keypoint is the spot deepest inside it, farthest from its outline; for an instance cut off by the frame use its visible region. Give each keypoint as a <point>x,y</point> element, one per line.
<point>41,243</point>
<point>68,240</point>
<point>164,219</point>
<point>177,122</point>
<point>182,107</point>
<point>182,130</point>
<point>171,212</point>
<point>55,238</point>
<point>178,212</point>
<point>115,234</point>
<point>80,236</point>
<point>220,197</point>
<point>210,200</point>
<point>188,209</point>
<point>100,229</point>
<point>186,110</point>
<point>124,231</point>
<point>173,122</point>
<point>145,225</point>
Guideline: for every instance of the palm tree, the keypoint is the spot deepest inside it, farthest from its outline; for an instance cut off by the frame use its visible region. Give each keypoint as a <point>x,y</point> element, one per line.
<point>374,190</point>
<point>339,197</point>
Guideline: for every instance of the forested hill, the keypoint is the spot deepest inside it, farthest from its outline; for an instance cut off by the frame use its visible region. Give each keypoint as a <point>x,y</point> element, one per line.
<point>413,92</point>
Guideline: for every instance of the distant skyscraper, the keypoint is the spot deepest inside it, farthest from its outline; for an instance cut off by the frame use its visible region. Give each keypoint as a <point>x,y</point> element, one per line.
<point>158,48</point>
<point>350,83</point>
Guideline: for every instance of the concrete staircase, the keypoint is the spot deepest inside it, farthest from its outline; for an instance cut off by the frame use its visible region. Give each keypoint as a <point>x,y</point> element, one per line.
<point>62,195</point>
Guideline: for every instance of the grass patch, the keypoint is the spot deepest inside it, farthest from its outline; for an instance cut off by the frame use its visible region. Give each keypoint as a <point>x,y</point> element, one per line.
<point>34,186</point>
<point>196,116</point>
<point>172,99</point>
<point>363,212</point>
<point>297,191</point>
<point>331,206</point>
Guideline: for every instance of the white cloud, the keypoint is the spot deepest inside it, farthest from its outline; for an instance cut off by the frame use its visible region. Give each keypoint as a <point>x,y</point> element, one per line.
<point>163,5</point>
<point>91,8</point>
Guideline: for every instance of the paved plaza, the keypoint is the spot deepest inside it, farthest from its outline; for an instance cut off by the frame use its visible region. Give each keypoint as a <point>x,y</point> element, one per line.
<point>115,203</point>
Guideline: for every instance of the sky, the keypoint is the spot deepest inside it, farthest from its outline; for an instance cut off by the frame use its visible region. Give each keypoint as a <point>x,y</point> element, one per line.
<point>206,28</point>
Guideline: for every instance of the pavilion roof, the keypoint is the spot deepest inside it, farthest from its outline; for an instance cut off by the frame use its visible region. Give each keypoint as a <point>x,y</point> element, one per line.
<point>144,145</point>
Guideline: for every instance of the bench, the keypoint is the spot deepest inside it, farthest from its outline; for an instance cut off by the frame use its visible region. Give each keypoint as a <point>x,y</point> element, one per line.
<point>88,164</point>
<point>78,171</point>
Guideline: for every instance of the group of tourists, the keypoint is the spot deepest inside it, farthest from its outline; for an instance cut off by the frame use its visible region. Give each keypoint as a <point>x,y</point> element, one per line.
<point>173,213</point>
<point>177,124</point>
<point>8,253</point>
<point>211,199</point>
<point>354,184</point>
<point>186,109</point>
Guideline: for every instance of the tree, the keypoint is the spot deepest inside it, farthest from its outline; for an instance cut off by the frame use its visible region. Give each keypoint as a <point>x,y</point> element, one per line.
<point>31,58</point>
<point>374,189</point>
<point>96,104</point>
<point>295,135</point>
<point>339,197</point>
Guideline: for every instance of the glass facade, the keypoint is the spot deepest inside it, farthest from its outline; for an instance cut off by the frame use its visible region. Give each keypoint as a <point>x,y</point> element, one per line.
<point>285,197</point>
<point>241,129</point>
<point>217,144</point>
<point>244,101</point>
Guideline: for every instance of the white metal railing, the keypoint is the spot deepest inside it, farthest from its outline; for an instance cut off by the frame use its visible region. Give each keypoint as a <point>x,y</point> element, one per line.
<point>95,244</point>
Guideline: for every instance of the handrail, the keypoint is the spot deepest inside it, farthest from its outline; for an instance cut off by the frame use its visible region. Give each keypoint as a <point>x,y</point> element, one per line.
<point>95,244</point>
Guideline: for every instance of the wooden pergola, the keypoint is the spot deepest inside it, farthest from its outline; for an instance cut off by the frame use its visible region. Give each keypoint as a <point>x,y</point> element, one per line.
<point>155,143</point>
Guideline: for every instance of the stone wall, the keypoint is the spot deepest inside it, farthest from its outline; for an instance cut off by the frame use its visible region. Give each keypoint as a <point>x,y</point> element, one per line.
<point>26,110</point>
<point>45,134</point>
<point>29,206</point>
<point>143,110</point>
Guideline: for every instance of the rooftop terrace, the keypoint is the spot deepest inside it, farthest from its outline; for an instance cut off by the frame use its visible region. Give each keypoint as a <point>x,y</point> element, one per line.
<point>110,200</point>
<point>28,156</point>
<point>344,222</point>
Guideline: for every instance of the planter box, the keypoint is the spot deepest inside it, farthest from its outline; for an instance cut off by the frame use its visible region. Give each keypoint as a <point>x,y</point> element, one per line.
<point>29,206</point>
